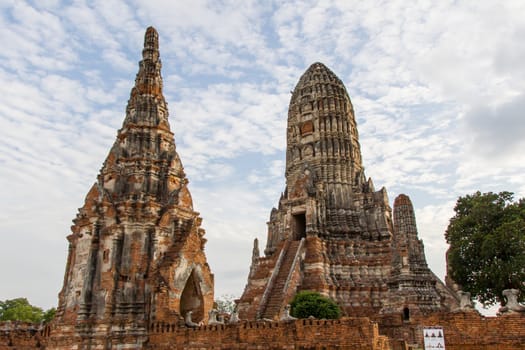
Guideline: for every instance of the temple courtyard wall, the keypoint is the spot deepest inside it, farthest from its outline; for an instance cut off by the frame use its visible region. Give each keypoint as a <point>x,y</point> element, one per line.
<point>462,331</point>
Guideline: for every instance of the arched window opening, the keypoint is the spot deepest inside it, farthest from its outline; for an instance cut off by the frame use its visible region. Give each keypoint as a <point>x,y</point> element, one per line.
<point>191,299</point>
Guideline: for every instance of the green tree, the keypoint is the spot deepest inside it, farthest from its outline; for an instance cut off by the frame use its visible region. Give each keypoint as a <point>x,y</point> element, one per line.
<point>487,245</point>
<point>308,303</point>
<point>20,309</point>
<point>225,303</point>
<point>49,315</point>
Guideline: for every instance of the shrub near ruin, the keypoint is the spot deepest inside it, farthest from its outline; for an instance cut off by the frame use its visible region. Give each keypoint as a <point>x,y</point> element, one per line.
<point>308,303</point>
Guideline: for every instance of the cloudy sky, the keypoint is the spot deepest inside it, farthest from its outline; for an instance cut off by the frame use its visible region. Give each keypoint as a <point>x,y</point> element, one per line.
<point>437,87</point>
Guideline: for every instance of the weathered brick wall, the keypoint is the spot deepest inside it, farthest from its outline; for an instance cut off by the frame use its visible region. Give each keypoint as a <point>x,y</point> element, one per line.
<point>347,333</point>
<point>22,336</point>
<point>462,330</point>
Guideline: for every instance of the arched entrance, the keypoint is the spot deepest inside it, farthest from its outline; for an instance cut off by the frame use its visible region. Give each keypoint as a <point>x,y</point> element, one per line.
<point>299,226</point>
<point>191,299</point>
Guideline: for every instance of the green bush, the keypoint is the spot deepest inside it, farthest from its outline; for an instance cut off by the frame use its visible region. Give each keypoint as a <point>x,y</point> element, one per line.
<point>308,303</point>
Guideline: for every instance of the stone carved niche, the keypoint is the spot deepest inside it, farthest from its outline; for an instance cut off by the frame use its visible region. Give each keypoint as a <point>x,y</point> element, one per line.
<point>191,299</point>
<point>308,151</point>
<point>304,185</point>
<point>307,128</point>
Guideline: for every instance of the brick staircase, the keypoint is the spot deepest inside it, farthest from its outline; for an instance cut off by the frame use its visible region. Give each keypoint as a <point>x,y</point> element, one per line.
<point>275,300</point>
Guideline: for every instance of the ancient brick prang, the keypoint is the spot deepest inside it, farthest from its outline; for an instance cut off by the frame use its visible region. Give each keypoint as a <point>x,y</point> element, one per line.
<point>332,232</point>
<point>413,286</point>
<point>136,252</point>
<point>325,182</point>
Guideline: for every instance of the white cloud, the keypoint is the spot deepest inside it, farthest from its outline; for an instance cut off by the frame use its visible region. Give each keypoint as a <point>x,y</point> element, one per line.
<point>31,37</point>
<point>437,89</point>
<point>432,221</point>
<point>225,120</point>
<point>497,131</point>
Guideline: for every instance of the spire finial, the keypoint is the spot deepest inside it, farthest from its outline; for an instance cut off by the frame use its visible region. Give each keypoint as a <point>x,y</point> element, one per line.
<point>151,44</point>
<point>148,82</point>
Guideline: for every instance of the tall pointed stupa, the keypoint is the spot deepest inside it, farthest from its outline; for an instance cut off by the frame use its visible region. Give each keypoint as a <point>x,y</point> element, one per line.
<point>136,252</point>
<point>332,232</point>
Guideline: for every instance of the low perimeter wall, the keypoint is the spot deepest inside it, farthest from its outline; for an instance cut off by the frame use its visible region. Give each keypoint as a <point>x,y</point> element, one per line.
<point>346,333</point>
<point>22,335</point>
<point>462,331</point>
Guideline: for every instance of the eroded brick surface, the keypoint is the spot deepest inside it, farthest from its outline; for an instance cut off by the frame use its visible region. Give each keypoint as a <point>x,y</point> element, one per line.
<point>463,330</point>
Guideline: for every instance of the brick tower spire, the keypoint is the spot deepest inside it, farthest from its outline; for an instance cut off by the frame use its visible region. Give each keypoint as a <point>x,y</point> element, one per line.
<point>413,286</point>
<point>324,172</point>
<point>136,252</point>
<point>322,128</point>
<point>332,232</point>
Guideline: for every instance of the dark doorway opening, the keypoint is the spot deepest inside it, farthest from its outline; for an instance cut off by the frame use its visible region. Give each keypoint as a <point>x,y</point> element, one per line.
<point>299,226</point>
<point>406,314</point>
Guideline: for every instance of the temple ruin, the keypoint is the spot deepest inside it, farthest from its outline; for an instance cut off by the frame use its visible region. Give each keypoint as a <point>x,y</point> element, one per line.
<point>137,276</point>
<point>136,252</point>
<point>332,232</point>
